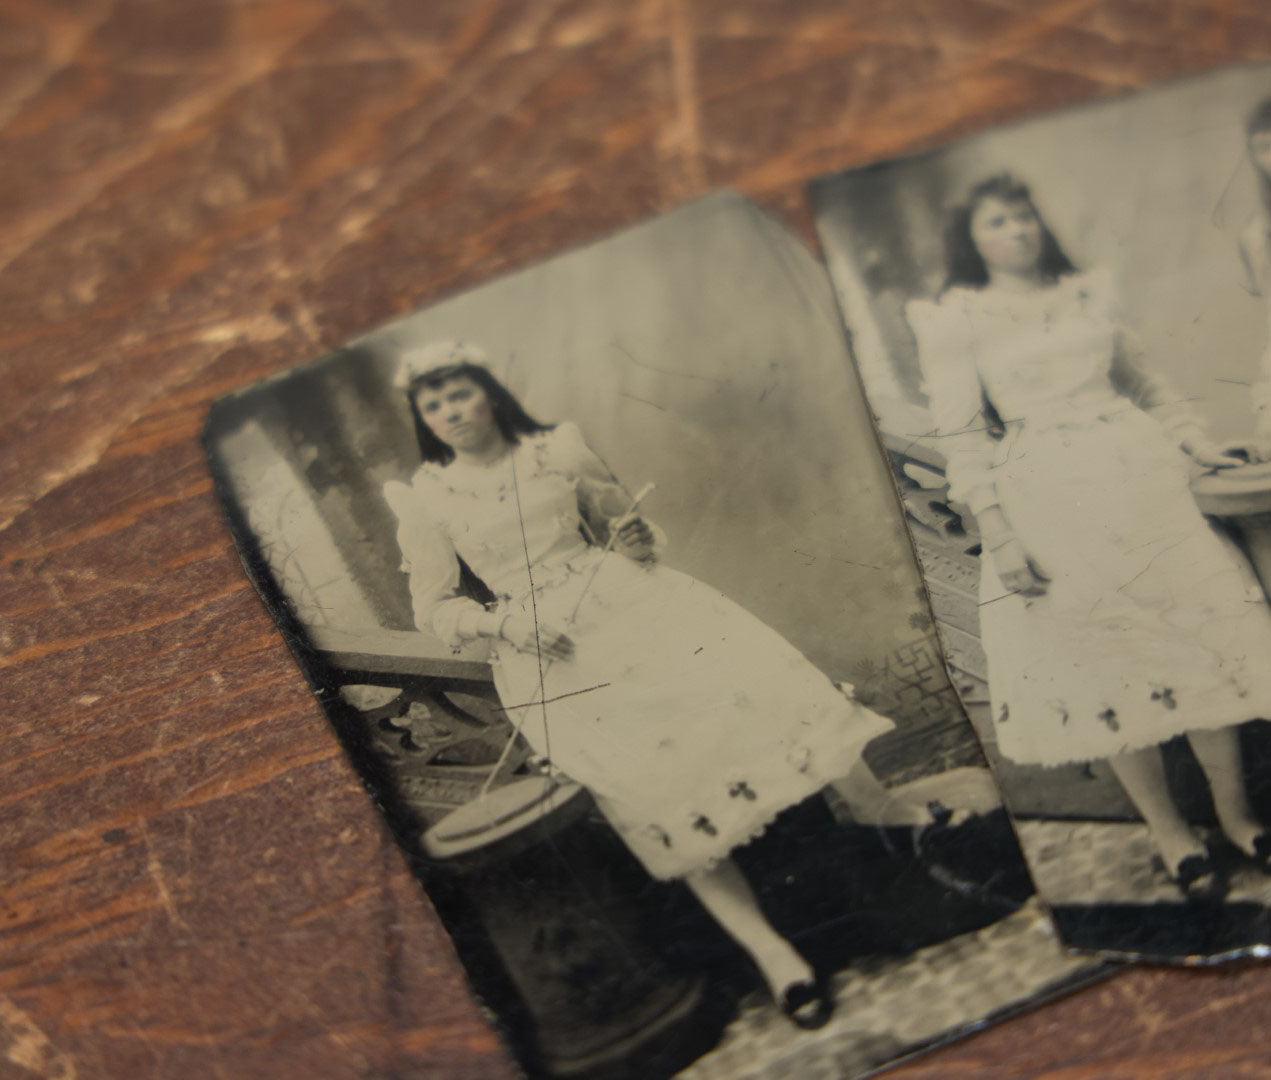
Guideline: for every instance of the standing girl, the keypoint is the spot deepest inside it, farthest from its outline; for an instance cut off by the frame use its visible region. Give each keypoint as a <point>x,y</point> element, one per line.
<point>1112,616</point>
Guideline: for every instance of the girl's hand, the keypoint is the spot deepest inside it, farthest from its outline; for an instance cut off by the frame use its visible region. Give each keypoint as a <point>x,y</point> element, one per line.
<point>633,538</point>
<point>1256,451</point>
<point>1212,456</point>
<point>1017,571</point>
<point>546,639</point>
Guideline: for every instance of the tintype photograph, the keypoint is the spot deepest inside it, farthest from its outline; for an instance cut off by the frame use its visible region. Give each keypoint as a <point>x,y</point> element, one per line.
<point>601,580</point>
<point>1062,328</point>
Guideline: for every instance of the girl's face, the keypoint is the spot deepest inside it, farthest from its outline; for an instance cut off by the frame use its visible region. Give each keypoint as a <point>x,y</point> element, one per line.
<point>1008,235</point>
<point>459,413</point>
<point>1260,152</point>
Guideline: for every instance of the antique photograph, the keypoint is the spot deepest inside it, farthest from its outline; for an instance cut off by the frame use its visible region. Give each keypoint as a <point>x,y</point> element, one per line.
<point>601,578</point>
<point>1061,328</point>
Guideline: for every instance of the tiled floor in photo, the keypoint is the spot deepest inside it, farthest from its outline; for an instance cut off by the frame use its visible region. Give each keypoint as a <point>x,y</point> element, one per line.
<point>1111,862</point>
<point>887,1007</point>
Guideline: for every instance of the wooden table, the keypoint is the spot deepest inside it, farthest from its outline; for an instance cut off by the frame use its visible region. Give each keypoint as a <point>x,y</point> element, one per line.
<point>195,195</point>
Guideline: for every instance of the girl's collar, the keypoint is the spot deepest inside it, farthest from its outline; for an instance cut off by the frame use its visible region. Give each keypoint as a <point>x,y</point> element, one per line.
<point>528,454</point>
<point>1076,286</point>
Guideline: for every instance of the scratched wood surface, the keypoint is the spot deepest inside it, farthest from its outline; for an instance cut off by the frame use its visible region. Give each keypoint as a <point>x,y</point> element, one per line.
<point>195,195</point>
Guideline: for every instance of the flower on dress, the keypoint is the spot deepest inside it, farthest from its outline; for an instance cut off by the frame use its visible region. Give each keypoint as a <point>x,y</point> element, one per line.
<point>800,758</point>
<point>659,834</point>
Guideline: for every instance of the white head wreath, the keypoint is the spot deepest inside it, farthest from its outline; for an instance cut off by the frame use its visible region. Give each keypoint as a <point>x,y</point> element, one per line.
<point>412,363</point>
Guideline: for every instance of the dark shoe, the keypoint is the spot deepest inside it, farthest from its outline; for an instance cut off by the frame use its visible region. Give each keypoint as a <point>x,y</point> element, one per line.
<point>1198,878</point>
<point>1262,852</point>
<point>807,1004</point>
<point>941,815</point>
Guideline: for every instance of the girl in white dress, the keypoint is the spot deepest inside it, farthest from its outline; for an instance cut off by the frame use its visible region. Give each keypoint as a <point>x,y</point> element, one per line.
<point>690,721</point>
<point>1113,617</point>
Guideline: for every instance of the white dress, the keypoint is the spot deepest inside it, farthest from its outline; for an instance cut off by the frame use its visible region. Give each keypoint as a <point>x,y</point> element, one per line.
<point>690,721</point>
<point>1153,624</point>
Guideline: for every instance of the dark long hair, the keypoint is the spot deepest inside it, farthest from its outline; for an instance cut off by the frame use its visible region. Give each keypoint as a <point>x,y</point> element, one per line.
<point>513,421</point>
<point>1259,121</point>
<point>964,263</point>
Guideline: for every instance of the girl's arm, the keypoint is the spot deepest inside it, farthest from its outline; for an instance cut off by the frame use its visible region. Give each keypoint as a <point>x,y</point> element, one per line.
<point>603,502</point>
<point>1252,246</point>
<point>430,559</point>
<point>1261,394</point>
<point>946,354</point>
<point>955,396</point>
<point>1155,396</point>
<point>1152,393</point>
<point>1253,257</point>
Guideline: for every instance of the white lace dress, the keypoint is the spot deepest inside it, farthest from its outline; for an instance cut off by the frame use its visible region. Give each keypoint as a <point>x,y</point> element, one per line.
<point>1153,623</point>
<point>690,721</point>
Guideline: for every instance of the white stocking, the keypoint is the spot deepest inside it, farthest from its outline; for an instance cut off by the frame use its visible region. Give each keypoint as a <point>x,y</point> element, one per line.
<point>726,894</point>
<point>1219,755</point>
<point>1142,774</point>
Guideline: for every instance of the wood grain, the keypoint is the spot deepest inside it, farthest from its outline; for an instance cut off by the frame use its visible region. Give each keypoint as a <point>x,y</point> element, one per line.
<point>193,196</point>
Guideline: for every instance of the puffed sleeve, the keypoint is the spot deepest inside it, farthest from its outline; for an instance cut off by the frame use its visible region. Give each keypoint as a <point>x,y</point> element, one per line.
<point>955,395</point>
<point>1149,390</point>
<point>429,558</point>
<point>601,498</point>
